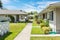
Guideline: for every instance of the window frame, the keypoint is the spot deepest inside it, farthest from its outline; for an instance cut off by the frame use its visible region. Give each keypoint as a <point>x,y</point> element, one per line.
<point>51,15</point>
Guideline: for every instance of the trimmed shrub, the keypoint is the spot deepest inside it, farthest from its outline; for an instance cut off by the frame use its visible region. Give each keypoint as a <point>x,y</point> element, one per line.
<point>47,23</point>
<point>38,21</point>
<point>46,30</point>
<point>42,25</point>
<point>36,17</point>
<point>41,21</point>
<point>12,18</point>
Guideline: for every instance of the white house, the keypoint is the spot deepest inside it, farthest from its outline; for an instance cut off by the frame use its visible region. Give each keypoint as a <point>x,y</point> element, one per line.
<point>17,15</point>
<point>9,15</point>
<point>52,12</point>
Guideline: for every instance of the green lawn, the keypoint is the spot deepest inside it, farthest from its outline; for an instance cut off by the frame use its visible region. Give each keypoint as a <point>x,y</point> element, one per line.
<point>45,38</point>
<point>36,30</point>
<point>35,24</point>
<point>15,28</point>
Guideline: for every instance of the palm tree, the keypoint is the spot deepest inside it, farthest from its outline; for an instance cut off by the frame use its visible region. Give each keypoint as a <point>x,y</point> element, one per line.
<point>1,4</point>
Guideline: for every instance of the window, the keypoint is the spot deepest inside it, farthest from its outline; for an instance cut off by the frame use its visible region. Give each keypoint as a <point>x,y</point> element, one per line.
<point>43,16</point>
<point>46,16</point>
<point>51,15</point>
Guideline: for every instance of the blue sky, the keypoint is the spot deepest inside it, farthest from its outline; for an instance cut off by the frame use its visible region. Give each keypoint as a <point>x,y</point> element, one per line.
<point>27,5</point>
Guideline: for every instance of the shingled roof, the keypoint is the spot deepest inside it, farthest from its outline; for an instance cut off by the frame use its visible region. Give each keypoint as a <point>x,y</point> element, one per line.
<point>12,12</point>
<point>54,5</point>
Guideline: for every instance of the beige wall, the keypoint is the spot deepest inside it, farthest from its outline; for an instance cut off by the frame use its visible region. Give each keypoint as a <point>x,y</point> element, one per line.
<point>41,16</point>
<point>52,23</point>
<point>55,24</point>
<point>58,19</point>
<point>23,16</point>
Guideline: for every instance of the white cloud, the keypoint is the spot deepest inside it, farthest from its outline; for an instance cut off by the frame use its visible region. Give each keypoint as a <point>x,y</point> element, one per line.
<point>16,0</point>
<point>47,2</point>
<point>26,7</point>
<point>44,4</point>
<point>41,6</point>
<point>29,8</point>
<point>11,7</point>
<point>5,1</point>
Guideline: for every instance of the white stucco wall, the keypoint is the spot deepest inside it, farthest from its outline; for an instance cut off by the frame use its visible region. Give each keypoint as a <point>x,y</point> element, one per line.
<point>58,20</point>
<point>52,24</point>
<point>22,17</point>
<point>41,16</point>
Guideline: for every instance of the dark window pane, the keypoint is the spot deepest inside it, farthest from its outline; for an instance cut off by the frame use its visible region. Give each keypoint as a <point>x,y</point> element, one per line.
<point>43,16</point>
<point>51,15</point>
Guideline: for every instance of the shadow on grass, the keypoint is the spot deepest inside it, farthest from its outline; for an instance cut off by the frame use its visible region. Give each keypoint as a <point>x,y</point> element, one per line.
<point>6,35</point>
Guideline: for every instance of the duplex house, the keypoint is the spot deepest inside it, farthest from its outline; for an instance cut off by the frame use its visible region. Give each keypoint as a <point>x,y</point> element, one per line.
<point>14,15</point>
<point>52,12</point>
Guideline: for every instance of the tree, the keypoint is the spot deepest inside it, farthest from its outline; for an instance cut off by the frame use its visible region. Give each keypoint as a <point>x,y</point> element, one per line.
<point>1,4</point>
<point>35,12</point>
<point>30,13</point>
<point>12,18</point>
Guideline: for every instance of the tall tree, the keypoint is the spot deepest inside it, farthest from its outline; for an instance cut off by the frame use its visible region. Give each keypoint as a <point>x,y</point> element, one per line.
<point>1,4</point>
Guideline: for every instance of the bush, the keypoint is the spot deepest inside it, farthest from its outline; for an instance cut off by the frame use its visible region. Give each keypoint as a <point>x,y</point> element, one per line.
<point>41,21</point>
<point>47,23</point>
<point>36,17</point>
<point>45,26</point>
<point>42,25</point>
<point>12,18</point>
<point>38,21</point>
<point>46,30</point>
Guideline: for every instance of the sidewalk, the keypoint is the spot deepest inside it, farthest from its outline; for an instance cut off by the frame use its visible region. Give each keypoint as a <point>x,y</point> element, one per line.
<point>25,34</point>
<point>43,35</point>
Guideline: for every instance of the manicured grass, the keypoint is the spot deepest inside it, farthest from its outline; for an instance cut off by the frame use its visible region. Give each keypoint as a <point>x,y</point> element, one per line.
<point>35,23</point>
<point>36,30</point>
<point>15,28</point>
<point>45,38</point>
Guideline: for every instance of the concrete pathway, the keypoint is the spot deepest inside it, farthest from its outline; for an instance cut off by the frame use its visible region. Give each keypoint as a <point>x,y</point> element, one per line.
<point>45,35</point>
<point>25,34</point>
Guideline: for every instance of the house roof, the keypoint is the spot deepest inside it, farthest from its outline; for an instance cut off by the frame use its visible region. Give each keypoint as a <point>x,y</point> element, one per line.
<point>51,6</point>
<point>12,12</point>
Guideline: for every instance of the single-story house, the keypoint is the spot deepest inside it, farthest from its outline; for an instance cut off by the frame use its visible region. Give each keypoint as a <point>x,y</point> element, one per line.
<point>14,15</point>
<point>52,12</point>
<point>31,18</point>
<point>10,15</point>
